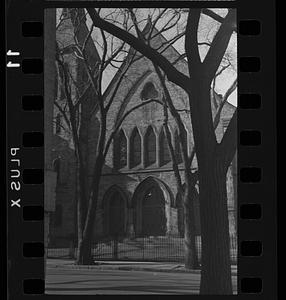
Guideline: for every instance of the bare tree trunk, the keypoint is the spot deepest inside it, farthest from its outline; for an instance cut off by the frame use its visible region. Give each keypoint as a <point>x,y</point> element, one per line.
<point>80,161</point>
<point>212,165</point>
<point>84,253</point>
<point>216,268</point>
<point>75,215</point>
<point>85,244</point>
<point>81,198</point>
<point>191,256</point>
<point>81,215</point>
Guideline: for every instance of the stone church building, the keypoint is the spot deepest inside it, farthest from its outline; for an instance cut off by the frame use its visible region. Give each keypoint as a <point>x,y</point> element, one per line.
<point>138,194</point>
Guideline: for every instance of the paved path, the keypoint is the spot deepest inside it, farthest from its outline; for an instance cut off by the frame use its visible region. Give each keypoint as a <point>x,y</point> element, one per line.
<point>100,281</point>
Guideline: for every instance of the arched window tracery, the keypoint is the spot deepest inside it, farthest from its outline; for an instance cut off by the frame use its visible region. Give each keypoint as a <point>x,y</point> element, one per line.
<point>178,150</point>
<point>164,152</point>
<point>120,151</point>
<point>149,92</point>
<point>135,148</point>
<point>150,146</point>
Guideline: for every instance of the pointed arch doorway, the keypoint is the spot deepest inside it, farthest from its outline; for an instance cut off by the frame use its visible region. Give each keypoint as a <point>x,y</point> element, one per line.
<point>116,215</point>
<point>114,212</point>
<point>153,212</point>
<point>151,203</point>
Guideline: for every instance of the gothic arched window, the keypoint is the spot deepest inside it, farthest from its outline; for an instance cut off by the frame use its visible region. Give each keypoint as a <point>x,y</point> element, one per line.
<point>178,152</point>
<point>120,150</point>
<point>116,215</point>
<point>135,148</point>
<point>164,152</point>
<point>149,92</point>
<point>150,146</point>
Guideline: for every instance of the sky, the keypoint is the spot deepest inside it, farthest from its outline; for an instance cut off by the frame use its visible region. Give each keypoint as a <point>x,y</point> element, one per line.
<point>207,29</point>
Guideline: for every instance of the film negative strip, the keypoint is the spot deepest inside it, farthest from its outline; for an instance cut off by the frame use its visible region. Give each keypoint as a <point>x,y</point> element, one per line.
<point>138,233</point>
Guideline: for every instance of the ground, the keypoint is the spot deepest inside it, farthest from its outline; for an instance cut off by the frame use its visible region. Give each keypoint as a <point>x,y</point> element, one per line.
<point>111,280</point>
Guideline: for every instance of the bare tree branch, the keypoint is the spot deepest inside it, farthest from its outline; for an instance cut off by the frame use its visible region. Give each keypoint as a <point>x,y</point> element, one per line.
<point>171,148</point>
<point>63,113</point>
<point>166,28</point>
<point>99,81</point>
<point>176,116</point>
<point>213,15</point>
<point>173,74</point>
<point>112,57</point>
<point>219,45</point>
<point>118,85</point>
<point>155,22</point>
<point>191,40</point>
<point>225,97</point>
<point>223,68</point>
<point>169,43</point>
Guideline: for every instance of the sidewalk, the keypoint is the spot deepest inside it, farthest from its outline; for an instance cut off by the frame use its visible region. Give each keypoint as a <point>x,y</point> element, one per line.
<point>127,266</point>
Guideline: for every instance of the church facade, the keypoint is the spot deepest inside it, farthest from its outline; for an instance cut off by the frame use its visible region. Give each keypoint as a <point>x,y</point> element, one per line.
<point>138,193</point>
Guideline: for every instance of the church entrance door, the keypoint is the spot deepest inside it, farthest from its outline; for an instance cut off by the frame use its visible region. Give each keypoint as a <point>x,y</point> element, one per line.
<point>153,212</point>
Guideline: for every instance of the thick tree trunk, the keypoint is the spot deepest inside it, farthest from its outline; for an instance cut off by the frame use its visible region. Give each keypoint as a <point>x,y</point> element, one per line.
<point>81,204</point>
<point>216,268</point>
<point>85,243</point>
<point>84,252</point>
<point>75,215</point>
<point>191,256</point>
<point>212,166</point>
<point>83,257</point>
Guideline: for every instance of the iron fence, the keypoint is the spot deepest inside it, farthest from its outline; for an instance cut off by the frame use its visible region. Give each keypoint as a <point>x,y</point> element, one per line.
<point>151,248</point>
